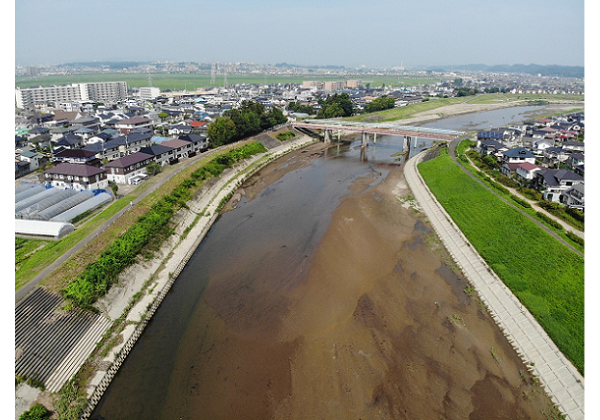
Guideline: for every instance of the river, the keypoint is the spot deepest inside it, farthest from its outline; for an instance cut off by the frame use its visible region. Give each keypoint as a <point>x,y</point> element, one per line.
<point>320,295</point>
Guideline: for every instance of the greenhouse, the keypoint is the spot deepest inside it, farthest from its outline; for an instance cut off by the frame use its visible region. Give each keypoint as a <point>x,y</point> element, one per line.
<point>29,201</point>
<point>89,204</point>
<point>42,229</point>
<point>32,210</point>
<point>63,205</point>
<point>27,190</point>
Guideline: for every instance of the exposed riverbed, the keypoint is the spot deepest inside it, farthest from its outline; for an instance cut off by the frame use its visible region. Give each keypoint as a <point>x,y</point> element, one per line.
<point>324,294</point>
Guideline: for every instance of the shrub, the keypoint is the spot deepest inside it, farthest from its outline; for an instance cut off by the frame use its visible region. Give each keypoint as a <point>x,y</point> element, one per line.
<point>575,238</point>
<point>548,220</point>
<point>37,412</point>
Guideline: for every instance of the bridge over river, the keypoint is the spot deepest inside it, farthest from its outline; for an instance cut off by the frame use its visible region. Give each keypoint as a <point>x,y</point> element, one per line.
<point>406,131</point>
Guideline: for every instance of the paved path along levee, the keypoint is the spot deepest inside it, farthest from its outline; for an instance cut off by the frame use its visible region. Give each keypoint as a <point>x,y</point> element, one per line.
<point>558,376</point>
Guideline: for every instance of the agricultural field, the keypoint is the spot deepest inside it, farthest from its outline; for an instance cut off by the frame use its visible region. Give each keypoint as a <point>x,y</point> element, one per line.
<point>192,82</point>
<point>546,276</point>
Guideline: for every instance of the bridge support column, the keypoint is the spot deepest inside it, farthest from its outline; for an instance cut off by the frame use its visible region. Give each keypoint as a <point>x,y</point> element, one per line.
<point>365,139</point>
<point>327,136</point>
<point>406,143</point>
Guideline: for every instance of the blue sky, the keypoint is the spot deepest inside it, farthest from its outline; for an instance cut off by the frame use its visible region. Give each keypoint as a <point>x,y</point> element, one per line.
<point>373,33</point>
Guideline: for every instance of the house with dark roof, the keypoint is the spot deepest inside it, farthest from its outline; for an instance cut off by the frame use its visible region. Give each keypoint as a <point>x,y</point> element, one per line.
<point>490,147</point>
<point>122,170</point>
<point>554,182</point>
<point>199,143</point>
<point>70,141</point>
<point>162,154</point>
<point>34,159</point>
<point>555,155</point>
<point>105,150</point>
<point>575,159</point>
<point>575,197</point>
<point>575,146</point>
<point>179,130</point>
<point>76,177</point>
<point>518,155</point>
<point>78,156</point>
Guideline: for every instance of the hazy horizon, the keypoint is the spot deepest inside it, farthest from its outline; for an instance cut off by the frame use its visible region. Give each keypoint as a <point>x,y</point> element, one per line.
<point>347,33</point>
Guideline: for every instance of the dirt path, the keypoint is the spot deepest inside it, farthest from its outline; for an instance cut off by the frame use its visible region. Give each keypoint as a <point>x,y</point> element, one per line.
<point>381,328</point>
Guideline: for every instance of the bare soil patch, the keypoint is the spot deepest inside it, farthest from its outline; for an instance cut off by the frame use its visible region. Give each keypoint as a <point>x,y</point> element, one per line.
<point>382,327</point>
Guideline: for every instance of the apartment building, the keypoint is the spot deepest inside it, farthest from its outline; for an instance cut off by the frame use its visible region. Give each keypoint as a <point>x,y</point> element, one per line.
<point>97,92</point>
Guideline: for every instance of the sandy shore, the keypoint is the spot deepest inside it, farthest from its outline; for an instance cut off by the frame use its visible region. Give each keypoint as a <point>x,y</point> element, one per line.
<point>467,108</point>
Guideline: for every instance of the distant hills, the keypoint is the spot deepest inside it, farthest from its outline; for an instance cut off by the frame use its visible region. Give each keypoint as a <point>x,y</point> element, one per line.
<point>548,70</point>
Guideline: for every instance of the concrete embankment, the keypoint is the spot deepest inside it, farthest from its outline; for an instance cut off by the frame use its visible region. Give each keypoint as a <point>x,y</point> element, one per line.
<point>558,376</point>
<point>164,271</point>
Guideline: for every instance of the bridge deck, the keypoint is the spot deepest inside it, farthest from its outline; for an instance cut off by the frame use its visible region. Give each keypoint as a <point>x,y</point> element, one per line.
<point>379,128</point>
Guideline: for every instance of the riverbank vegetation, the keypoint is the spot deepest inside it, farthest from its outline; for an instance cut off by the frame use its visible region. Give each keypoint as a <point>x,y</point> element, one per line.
<point>236,124</point>
<point>491,167</point>
<point>545,275</point>
<point>97,277</point>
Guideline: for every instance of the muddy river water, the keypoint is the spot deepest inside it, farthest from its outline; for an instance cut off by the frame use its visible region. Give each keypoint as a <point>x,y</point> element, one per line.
<point>322,295</point>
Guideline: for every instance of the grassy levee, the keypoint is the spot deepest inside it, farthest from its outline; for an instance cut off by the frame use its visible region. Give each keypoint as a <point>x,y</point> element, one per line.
<point>408,111</point>
<point>546,276</point>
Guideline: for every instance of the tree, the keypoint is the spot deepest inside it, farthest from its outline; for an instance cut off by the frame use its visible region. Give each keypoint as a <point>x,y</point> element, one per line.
<point>163,115</point>
<point>221,131</point>
<point>115,188</point>
<point>336,105</point>
<point>379,104</point>
<point>153,168</point>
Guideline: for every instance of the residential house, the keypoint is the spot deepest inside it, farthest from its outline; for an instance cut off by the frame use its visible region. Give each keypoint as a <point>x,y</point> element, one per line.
<point>162,154</point>
<point>490,147</point>
<point>539,145</point>
<point>555,155</point>
<point>180,130</point>
<point>181,149</point>
<point>518,155</point>
<point>69,141</point>
<point>575,159</point>
<point>76,177</point>
<point>100,137</point>
<point>574,146</point>
<point>525,172</point>
<point>128,125</point>
<point>199,143</point>
<point>555,182</point>
<point>79,156</point>
<point>122,170</point>
<point>574,197</point>
<point>34,159</point>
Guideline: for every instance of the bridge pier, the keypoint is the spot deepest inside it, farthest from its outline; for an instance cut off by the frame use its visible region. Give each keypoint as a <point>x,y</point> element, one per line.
<point>327,136</point>
<point>406,143</point>
<point>365,139</point>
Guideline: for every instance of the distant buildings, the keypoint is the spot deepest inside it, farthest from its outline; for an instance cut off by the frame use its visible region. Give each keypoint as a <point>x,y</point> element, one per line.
<point>96,92</point>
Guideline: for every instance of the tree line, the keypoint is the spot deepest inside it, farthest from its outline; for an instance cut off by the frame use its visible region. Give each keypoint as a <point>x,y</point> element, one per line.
<point>249,119</point>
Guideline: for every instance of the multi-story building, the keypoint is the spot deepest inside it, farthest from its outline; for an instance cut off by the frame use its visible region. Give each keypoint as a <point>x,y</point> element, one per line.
<point>97,92</point>
<point>77,177</point>
<point>149,93</point>
<point>334,85</point>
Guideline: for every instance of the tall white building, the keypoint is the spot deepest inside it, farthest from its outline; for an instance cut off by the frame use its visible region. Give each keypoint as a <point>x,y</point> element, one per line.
<point>149,93</point>
<point>97,92</point>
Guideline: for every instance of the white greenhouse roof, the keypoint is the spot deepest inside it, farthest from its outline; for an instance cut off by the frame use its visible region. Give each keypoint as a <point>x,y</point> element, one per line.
<point>50,230</point>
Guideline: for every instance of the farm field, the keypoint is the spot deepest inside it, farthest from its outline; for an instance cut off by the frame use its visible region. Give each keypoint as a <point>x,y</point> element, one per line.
<point>546,276</point>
